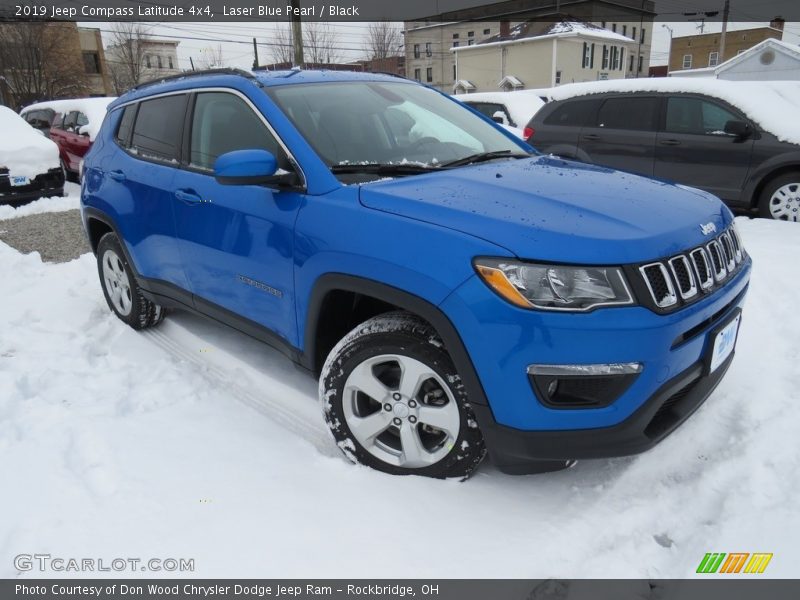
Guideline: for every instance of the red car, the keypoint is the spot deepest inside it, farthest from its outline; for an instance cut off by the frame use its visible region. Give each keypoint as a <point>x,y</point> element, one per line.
<point>71,124</point>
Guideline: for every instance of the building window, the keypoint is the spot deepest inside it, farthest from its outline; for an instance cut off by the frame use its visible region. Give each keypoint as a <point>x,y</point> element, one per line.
<point>91,63</point>
<point>621,59</point>
<point>160,65</point>
<point>625,30</point>
<point>630,66</point>
<point>455,36</point>
<point>429,74</point>
<point>605,56</point>
<point>470,42</point>
<point>416,74</point>
<point>614,27</point>
<point>641,36</point>
<point>171,64</point>
<point>603,24</point>
<point>633,34</point>
<point>416,50</point>
<point>428,49</point>
<point>470,34</point>
<point>455,44</point>
<point>687,61</point>
<point>586,55</point>
<point>487,31</point>
<point>641,62</point>
<point>147,62</point>
<point>558,77</point>
<point>713,59</point>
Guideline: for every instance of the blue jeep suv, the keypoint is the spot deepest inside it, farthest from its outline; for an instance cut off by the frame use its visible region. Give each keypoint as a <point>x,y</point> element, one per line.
<point>455,292</point>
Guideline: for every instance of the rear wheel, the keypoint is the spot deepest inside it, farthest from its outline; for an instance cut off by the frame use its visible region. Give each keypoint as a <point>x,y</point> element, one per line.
<point>122,291</point>
<point>394,401</point>
<point>780,199</point>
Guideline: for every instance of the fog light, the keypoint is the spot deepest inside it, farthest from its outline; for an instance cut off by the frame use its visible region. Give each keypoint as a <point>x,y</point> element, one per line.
<point>582,386</point>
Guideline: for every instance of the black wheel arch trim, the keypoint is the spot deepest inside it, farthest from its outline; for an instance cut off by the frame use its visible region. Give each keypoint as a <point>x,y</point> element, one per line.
<point>331,282</point>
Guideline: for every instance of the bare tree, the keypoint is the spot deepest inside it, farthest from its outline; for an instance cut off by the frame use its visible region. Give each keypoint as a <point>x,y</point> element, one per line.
<point>126,55</point>
<point>320,43</point>
<point>383,40</point>
<point>211,58</point>
<point>41,61</point>
<point>281,44</point>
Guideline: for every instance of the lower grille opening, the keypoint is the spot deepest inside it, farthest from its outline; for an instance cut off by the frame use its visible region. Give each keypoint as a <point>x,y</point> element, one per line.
<point>665,417</point>
<point>584,391</point>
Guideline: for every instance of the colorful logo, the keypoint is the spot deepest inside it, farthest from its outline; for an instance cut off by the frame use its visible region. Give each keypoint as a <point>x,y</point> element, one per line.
<point>735,562</point>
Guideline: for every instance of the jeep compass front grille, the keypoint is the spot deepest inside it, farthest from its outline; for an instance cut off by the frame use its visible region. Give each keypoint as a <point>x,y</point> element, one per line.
<point>699,270</point>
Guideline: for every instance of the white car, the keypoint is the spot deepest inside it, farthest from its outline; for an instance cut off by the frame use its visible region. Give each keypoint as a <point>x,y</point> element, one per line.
<point>511,109</point>
<point>29,163</point>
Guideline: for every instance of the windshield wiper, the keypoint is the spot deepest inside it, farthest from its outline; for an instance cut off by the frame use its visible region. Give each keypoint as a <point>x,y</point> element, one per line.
<point>384,169</point>
<point>484,156</point>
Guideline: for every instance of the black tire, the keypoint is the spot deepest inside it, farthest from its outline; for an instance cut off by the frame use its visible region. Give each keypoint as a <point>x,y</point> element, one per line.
<point>413,342</point>
<point>766,205</point>
<point>141,313</point>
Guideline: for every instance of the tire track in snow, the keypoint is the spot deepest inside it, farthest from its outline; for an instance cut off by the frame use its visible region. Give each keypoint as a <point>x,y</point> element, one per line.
<point>270,405</point>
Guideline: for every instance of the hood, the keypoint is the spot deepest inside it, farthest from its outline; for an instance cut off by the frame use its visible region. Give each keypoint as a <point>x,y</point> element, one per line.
<point>545,208</point>
<point>23,150</point>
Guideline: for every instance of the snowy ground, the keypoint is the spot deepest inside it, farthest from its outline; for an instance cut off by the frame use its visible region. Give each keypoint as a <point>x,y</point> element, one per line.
<point>192,441</point>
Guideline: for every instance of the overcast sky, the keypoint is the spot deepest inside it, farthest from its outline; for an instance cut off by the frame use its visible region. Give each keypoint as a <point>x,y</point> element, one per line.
<point>235,39</point>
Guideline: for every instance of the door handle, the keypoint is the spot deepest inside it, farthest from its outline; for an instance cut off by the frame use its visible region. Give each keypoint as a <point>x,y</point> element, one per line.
<point>591,137</point>
<point>187,197</point>
<point>117,175</point>
<point>669,143</point>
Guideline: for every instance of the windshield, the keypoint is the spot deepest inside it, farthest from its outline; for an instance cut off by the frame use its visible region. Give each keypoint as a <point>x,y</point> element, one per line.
<point>387,123</point>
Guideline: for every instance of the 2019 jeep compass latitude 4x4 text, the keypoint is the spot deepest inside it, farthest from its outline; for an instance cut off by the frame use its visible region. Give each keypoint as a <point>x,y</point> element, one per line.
<point>455,291</point>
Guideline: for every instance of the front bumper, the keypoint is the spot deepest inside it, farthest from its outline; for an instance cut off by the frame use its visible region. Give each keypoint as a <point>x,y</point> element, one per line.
<point>42,186</point>
<point>521,429</point>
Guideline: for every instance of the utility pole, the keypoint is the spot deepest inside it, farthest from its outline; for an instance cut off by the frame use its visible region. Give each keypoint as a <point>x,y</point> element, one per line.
<point>669,53</point>
<point>297,34</point>
<point>725,13</point>
<point>255,54</point>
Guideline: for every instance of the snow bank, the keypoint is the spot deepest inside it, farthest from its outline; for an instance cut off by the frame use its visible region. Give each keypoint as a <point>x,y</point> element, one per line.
<point>521,105</point>
<point>69,201</point>
<point>773,105</point>
<point>23,150</point>
<point>119,443</point>
<point>93,108</point>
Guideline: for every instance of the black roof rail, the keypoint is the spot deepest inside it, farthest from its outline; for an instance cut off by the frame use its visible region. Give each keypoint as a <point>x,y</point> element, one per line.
<point>186,74</point>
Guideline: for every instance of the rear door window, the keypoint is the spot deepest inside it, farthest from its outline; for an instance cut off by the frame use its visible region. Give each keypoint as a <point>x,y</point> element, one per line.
<point>158,128</point>
<point>489,108</point>
<point>223,122</point>
<point>125,128</point>
<point>634,113</point>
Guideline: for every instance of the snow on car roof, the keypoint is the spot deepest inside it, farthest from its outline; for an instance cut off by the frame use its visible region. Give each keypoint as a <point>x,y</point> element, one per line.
<point>93,108</point>
<point>521,105</point>
<point>23,150</point>
<point>773,105</point>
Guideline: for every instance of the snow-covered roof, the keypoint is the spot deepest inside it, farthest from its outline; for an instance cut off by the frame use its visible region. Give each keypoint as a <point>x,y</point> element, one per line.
<point>567,27</point>
<point>521,104</point>
<point>779,45</point>
<point>510,80</point>
<point>93,108</point>
<point>23,150</point>
<point>773,105</point>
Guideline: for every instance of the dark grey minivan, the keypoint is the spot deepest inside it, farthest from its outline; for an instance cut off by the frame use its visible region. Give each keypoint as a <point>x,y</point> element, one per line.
<point>690,138</point>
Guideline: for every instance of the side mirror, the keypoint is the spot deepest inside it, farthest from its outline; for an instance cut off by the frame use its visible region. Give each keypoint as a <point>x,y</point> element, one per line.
<point>250,167</point>
<point>740,129</point>
<point>499,117</point>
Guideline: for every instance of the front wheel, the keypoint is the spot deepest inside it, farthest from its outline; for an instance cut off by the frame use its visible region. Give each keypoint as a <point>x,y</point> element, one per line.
<point>780,199</point>
<point>394,401</point>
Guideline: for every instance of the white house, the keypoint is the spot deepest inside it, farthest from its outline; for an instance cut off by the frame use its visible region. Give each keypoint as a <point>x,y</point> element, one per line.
<point>770,60</point>
<point>538,55</point>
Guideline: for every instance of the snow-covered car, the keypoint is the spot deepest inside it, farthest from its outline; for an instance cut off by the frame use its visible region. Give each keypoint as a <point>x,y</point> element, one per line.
<point>512,109</point>
<point>29,164</point>
<point>72,124</point>
<point>739,140</point>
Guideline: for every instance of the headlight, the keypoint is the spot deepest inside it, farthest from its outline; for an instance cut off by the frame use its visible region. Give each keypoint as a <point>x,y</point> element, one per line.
<point>555,287</point>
